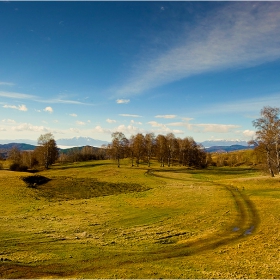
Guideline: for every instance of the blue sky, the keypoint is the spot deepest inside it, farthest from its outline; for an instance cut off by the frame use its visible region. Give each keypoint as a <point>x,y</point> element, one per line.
<point>200,69</point>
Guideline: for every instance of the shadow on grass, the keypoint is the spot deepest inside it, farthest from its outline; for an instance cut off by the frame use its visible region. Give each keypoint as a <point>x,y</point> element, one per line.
<point>79,165</point>
<point>68,188</point>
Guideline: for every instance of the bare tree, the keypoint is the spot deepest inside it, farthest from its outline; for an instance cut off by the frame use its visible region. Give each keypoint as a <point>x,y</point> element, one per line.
<point>119,146</point>
<point>14,155</point>
<point>267,136</point>
<point>47,151</point>
<point>139,147</point>
<point>131,149</point>
<point>161,147</point>
<point>149,146</point>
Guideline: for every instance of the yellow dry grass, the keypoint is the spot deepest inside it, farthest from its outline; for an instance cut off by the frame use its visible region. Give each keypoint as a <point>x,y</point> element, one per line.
<point>181,223</point>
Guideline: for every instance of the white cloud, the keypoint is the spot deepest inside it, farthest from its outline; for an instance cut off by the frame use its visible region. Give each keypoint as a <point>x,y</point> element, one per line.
<point>2,129</point>
<point>122,101</point>
<point>132,121</point>
<point>237,34</point>
<point>8,121</point>
<point>156,124</point>
<point>48,109</point>
<point>19,107</point>
<point>130,129</point>
<point>163,128</point>
<point>128,115</point>
<point>75,130</point>
<point>80,123</point>
<point>249,133</point>
<point>111,121</point>
<point>176,124</point>
<point>30,127</point>
<point>55,121</point>
<point>99,129</point>
<point>73,115</point>
<point>166,116</point>
<point>217,128</point>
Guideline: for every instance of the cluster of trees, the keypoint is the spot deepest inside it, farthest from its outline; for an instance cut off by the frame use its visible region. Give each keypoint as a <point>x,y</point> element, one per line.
<point>44,155</point>
<point>267,140</point>
<point>167,149</point>
<point>237,158</point>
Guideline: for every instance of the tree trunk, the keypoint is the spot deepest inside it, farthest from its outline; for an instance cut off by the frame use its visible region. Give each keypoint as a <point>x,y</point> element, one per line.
<point>269,162</point>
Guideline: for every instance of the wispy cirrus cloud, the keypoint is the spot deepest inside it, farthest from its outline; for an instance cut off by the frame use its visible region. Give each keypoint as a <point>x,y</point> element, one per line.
<point>129,115</point>
<point>16,95</point>
<point>73,115</point>
<point>248,106</point>
<point>166,116</point>
<point>57,100</point>
<point>6,84</point>
<point>237,34</point>
<point>19,107</point>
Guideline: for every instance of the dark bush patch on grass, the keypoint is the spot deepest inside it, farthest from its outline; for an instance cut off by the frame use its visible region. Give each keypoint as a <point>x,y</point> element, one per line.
<point>67,188</point>
<point>35,181</point>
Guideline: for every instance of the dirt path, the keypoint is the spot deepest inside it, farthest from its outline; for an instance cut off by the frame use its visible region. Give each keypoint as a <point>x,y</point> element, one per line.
<point>246,224</point>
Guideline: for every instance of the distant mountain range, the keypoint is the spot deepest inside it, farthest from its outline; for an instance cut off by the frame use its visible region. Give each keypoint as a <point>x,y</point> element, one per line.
<point>69,142</point>
<point>222,149</point>
<point>211,143</point>
<point>80,141</point>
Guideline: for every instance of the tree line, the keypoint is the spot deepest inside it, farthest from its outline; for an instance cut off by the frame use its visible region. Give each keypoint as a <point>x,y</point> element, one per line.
<point>47,153</point>
<point>167,149</point>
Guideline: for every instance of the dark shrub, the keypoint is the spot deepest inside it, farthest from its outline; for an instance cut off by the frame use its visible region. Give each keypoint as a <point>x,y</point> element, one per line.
<point>36,180</point>
<point>18,167</point>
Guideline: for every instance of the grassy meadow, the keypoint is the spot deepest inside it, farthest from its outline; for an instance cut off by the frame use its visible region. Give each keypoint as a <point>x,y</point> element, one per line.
<point>94,220</point>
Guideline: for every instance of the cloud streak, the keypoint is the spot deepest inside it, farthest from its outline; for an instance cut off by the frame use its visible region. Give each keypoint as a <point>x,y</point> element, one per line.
<point>19,107</point>
<point>238,34</point>
<point>166,116</point>
<point>6,84</point>
<point>59,100</point>
<point>128,115</point>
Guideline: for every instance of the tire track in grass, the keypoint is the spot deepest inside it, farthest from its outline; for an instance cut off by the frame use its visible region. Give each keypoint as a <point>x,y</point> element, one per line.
<point>246,224</point>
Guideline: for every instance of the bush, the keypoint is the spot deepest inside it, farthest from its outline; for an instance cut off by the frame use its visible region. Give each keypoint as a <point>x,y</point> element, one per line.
<point>36,180</point>
<point>1,166</point>
<point>18,167</point>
